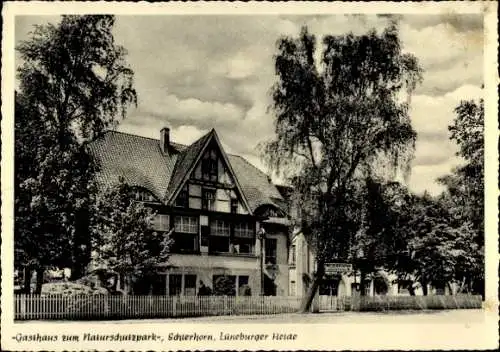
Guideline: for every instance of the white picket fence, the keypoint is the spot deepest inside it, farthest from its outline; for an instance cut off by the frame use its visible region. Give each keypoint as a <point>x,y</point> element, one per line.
<point>334,303</point>
<point>33,307</point>
<point>378,303</point>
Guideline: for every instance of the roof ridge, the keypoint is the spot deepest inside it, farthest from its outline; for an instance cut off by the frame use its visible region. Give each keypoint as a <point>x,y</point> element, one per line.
<point>188,145</point>
<point>131,134</point>
<point>177,143</point>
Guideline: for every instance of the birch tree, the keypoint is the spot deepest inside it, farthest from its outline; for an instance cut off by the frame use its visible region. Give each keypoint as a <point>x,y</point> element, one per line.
<point>335,121</point>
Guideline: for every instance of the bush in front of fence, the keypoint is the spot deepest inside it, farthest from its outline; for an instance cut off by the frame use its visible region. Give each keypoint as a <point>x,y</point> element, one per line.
<point>382,303</point>
<point>71,288</point>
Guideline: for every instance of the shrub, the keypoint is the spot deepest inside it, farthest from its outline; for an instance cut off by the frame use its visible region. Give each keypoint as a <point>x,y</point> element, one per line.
<point>70,288</point>
<point>224,286</point>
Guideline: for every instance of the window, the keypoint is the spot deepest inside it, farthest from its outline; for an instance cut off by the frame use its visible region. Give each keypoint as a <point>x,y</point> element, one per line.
<point>293,288</point>
<point>243,288</point>
<point>220,228</point>
<point>184,243</point>
<point>186,234</point>
<point>243,245</point>
<point>182,198</point>
<point>186,224</point>
<point>220,232</point>
<point>190,285</point>
<point>208,199</point>
<point>293,255</point>
<point>270,247</point>
<point>144,196</point>
<point>159,285</point>
<point>245,230</point>
<point>175,285</point>
<point>209,166</point>
<point>234,205</point>
<point>244,238</point>
<point>161,222</point>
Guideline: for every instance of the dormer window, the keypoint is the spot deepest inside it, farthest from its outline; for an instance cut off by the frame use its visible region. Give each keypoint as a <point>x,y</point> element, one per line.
<point>144,196</point>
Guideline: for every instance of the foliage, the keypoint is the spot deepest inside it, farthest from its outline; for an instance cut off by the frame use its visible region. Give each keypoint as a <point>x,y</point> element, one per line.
<point>379,242</point>
<point>464,195</point>
<point>73,84</point>
<point>433,247</point>
<point>465,186</point>
<point>336,121</point>
<point>224,286</point>
<point>123,238</point>
<point>71,288</point>
<point>76,76</point>
<point>52,186</point>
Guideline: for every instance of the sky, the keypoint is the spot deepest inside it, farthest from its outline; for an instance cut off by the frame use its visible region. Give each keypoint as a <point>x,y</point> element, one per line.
<point>194,73</point>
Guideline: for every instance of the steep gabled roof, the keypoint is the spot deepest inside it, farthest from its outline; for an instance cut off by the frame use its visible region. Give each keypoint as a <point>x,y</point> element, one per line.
<point>141,162</point>
<point>185,162</point>
<point>257,187</point>
<point>138,159</point>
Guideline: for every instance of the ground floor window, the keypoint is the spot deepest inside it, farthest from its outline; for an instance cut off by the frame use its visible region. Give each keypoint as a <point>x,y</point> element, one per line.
<point>159,285</point>
<point>243,288</point>
<point>181,284</point>
<point>230,285</point>
<point>174,285</point>
<point>190,285</point>
<point>154,284</point>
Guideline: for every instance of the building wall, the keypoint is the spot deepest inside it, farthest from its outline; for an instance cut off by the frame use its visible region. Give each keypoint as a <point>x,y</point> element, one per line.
<point>304,265</point>
<point>279,272</point>
<point>206,266</point>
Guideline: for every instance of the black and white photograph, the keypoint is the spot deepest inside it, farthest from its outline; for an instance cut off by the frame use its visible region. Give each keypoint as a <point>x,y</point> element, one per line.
<point>249,177</point>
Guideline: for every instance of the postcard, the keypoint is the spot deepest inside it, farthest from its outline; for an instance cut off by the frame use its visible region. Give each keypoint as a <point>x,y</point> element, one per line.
<point>249,176</point>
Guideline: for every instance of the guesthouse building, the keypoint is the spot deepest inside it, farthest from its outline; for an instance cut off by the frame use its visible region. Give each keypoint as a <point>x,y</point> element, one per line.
<point>228,218</point>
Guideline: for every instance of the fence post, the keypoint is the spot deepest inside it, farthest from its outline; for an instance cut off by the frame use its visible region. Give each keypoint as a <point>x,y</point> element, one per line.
<point>174,306</point>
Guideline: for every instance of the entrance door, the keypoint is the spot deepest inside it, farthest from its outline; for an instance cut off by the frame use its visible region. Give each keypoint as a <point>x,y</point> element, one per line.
<point>269,286</point>
<point>330,285</point>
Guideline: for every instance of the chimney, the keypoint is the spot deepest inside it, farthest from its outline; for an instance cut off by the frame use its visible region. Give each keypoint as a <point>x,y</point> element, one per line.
<point>165,139</point>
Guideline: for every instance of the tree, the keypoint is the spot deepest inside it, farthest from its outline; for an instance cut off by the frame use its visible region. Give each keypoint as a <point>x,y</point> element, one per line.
<point>381,242</point>
<point>464,194</point>
<point>124,240</point>
<point>466,184</point>
<point>51,189</point>
<point>76,77</point>
<point>73,85</point>
<point>334,121</point>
